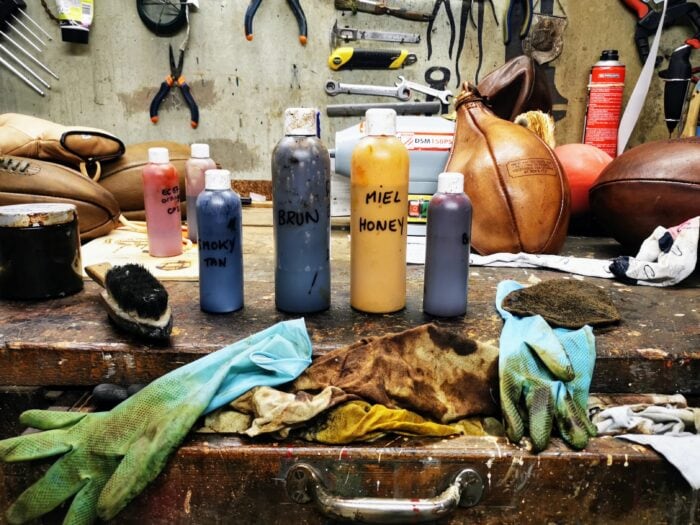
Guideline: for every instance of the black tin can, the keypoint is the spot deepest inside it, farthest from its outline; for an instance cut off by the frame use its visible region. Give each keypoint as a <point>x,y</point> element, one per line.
<point>39,251</point>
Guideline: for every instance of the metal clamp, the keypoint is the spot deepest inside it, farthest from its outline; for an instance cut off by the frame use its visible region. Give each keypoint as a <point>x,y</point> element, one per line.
<point>304,485</point>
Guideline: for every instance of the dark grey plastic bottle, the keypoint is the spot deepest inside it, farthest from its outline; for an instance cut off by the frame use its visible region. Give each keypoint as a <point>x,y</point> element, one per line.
<point>302,209</point>
<point>447,248</point>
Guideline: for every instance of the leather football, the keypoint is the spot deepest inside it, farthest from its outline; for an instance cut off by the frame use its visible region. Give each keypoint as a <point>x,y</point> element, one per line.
<point>123,177</point>
<point>26,181</point>
<point>655,184</point>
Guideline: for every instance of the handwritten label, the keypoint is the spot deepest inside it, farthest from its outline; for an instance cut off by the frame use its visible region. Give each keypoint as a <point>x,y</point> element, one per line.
<point>532,167</point>
<point>392,225</point>
<point>382,197</point>
<point>171,195</point>
<point>297,218</point>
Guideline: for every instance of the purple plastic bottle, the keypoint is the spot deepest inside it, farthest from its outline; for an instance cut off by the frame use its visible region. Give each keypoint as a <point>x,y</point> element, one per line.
<point>447,248</point>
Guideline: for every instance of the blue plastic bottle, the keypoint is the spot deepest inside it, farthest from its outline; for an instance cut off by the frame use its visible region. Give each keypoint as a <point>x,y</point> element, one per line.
<point>220,253</point>
<point>447,248</point>
<point>301,210</point>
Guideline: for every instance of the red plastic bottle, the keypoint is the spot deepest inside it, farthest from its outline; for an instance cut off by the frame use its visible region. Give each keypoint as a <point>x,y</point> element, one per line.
<point>161,195</point>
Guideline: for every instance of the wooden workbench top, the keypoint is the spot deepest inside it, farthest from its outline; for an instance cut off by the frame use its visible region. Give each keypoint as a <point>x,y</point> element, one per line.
<point>69,341</point>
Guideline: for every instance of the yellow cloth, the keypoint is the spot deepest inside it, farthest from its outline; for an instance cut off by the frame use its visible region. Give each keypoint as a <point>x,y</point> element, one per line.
<point>361,421</point>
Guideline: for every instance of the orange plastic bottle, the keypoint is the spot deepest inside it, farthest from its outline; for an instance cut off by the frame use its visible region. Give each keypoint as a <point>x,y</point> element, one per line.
<point>378,216</point>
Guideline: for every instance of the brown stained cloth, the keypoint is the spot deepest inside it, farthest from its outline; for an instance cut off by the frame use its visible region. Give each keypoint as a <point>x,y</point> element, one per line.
<point>565,303</point>
<point>435,371</point>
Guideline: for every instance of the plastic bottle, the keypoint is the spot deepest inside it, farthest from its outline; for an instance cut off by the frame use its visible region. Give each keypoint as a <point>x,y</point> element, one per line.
<point>220,253</point>
<point>605,87</point>
<point>447,248</point>
<point>196,165</point>
<point>301,211</point>
<point>378,216</point>
<point>161,195</point>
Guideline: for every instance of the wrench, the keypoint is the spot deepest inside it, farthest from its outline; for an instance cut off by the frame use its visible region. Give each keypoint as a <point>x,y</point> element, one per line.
<point>443,96</point>
<point>400,90</point>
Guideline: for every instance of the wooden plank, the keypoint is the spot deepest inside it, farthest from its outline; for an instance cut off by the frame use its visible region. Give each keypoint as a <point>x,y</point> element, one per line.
<point>223,479</point>
<point>69,341</point>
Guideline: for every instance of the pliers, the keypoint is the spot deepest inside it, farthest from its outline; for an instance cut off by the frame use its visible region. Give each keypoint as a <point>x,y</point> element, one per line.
<point>175,78</point>
<point>296,9</point>
<point>450,18</point>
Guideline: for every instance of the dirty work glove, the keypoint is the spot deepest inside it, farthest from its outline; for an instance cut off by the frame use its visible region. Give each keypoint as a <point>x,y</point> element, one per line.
<point>665,258</point>
<point>111,456</point>
<point>544,376</point>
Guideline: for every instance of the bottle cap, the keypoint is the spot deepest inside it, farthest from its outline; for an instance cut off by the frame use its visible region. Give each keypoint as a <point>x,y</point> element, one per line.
<point>450,182</point>
<point>301,121</point>
<point>609,54</point>
<point>158,155</point>
<point>199,151</point>
<point>380,121</point>
<point>217,180</point>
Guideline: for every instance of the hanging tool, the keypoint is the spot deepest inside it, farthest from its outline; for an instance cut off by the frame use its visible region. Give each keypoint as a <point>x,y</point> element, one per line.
<point>677,13</point>
<point>14,9</point>
<point>21,76</point>
<point>464,15</point>
<point>5,16</point>
<point>22,9</point>
<point>400,90</point>
<point>24,66</point>
<point>450,18</point>
<point>352,58</point>
<point>678,74</point>
<point>401,108</point>
<point>527,7</point>
<point>443,96</point>
<point>296,9</point>
<point>479,26</point>
<point>28,55</point>
<point>677,81</point>
<point>438,83</point>
<point>163,17</point>
<point>343,35</point>
<point>175,78</point>
<point>382,7</point>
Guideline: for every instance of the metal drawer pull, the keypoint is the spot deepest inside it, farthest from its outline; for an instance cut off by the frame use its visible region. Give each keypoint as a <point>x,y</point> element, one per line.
<point>304,485</point>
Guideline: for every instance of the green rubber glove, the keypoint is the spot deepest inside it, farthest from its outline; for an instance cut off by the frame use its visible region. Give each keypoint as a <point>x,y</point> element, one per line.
<point>109,457</point>
<point>544,377</point>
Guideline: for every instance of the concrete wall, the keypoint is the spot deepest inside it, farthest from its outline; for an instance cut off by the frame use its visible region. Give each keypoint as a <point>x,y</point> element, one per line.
<point>243,87</point>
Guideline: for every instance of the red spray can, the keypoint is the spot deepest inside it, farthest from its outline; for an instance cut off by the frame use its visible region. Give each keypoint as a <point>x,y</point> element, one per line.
<point>605,86</point>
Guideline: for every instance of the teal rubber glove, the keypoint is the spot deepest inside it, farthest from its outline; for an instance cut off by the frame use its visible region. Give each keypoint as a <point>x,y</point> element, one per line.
<point>109,457</point>
<point>544,377</point>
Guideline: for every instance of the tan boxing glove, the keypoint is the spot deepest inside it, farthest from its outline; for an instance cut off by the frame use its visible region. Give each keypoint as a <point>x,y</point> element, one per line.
<point>519,193</point>
<point>79,147</point>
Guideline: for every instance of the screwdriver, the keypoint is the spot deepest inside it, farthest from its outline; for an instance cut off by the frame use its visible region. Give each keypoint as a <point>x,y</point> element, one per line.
<point>5,13</point>
<point>21,76</point>
<point>21,8</point>
<point>28,55</point>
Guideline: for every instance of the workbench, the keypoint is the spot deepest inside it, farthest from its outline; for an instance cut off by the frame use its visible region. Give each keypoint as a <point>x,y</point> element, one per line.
<point>52,352</point>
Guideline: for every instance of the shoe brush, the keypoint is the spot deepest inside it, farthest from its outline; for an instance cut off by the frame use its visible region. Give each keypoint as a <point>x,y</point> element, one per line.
<point>134,299</point>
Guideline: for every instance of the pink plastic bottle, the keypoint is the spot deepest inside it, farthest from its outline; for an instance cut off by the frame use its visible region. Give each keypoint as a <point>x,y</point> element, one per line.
<point>161,195</point>
<point>198,163</point>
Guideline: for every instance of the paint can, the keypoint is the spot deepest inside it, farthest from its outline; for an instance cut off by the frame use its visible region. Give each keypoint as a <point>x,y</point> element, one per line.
<point>39,251</point>
<point>604,107</point>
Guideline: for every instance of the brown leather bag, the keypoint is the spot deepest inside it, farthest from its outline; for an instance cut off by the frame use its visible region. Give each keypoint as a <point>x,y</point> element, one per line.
<point>517,86</point>
<point>519,193</point>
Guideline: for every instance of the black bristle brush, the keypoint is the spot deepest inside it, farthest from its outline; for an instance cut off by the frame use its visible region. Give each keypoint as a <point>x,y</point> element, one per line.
<point>135,300</point>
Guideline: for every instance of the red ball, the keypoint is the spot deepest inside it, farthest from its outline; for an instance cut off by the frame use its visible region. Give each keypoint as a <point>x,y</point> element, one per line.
<point>582,164</point>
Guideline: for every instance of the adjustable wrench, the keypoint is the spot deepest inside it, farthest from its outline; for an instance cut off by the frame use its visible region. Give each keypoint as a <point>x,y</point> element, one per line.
<point>400,90</point>
<point>442,95</point>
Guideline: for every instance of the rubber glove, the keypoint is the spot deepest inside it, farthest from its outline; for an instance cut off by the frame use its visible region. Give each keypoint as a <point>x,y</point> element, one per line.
<point>111,456</point>
<point>544,376</point>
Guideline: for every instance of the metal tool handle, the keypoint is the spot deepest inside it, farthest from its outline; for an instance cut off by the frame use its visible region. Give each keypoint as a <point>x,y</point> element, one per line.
<point>304,485</point>
<point>155,103</point>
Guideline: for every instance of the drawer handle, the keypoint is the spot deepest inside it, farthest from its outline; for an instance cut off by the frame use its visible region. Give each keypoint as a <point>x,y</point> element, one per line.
<point>304,485</point>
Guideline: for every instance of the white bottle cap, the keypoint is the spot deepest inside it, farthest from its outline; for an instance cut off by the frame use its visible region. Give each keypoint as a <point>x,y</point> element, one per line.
<point>199,151</point>
<point>301,121</point>
<point>217,180</point>
<point>450,182</point>
<point>158,155</point>
<point>380,121</point>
